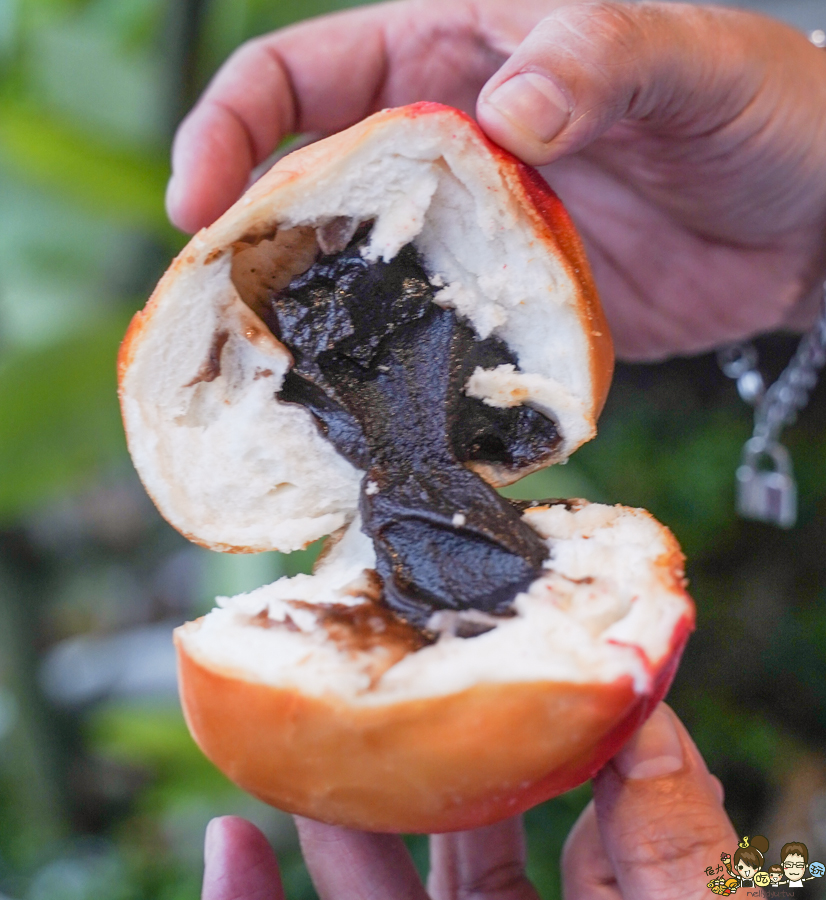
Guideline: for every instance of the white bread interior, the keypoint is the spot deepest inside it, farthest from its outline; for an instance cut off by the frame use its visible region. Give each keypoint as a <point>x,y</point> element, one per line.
<point>607,607</point>
<point>234,469</point>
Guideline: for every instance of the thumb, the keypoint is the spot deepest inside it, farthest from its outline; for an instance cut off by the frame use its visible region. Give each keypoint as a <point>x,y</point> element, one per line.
<point>660,813</point>
<point>588,66</point>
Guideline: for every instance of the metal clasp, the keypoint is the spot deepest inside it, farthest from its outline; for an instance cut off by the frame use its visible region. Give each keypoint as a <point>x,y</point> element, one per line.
<point>766,489</point>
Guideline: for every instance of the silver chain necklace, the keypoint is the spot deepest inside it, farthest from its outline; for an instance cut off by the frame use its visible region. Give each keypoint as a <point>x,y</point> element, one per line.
<point>766,488</point>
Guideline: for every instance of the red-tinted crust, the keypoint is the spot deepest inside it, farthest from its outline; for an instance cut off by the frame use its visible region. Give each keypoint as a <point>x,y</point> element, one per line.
<point>436,764</point>
<point>560,232</point>
<point>432,765</point>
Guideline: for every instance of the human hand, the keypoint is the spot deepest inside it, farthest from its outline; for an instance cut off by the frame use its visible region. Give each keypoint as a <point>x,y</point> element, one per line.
<point>688,143</point>
<point>655,823</point>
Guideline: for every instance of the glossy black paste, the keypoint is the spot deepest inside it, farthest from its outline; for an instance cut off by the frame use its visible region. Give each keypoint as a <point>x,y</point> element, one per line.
<point>382,369</point>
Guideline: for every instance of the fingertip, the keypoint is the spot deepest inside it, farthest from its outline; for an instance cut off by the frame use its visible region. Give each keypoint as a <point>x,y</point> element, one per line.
<point>238,862</point>
<point>312,831</point>
<point>180,215</point>
<point>213,841</point>
<point>524,114</point>
<point>211,164</point>
<point>718,789</point>
<point>655,750</point>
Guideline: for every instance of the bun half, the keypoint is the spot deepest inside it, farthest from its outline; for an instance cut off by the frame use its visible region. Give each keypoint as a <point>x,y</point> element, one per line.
<point>233,470</point>
<point>461,732</point>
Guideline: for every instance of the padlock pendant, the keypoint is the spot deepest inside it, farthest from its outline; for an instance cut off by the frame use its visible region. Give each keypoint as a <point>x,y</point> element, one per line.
<point>766,495</point>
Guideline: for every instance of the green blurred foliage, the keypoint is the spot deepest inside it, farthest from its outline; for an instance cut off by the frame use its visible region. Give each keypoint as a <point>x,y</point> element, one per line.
<point>58,416</point>
<point>115,182</point>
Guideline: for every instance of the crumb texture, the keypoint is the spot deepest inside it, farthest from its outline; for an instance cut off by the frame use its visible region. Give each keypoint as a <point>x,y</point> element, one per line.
<point>606,608</point>
<point>233,468</point>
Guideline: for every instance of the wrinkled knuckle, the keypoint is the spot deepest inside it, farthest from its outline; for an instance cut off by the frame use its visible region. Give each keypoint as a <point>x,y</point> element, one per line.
<point>502,880</point>
<point>613,26</point>
<point>250,49</point>
<point>667,847</point>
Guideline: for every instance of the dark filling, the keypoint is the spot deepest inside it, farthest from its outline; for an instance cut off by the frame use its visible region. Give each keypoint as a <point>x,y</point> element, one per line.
<point>382,369</point>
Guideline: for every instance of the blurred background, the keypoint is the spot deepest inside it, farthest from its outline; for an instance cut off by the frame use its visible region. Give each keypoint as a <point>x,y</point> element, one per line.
<point>102,793</point>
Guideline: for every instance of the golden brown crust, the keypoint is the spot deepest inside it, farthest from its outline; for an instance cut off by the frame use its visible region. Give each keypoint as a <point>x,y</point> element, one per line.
<point>253,218</point>
<point>435,764</point>
<point>439,764</point>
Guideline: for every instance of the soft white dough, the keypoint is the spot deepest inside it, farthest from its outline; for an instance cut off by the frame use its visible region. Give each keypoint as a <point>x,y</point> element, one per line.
<point>606,608</point>
<point>233,468</point>
<point>222,459</point>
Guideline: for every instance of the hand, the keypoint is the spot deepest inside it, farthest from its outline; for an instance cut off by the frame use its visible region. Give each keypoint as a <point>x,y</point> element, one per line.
<point>688,142</point>
<point>654,825</point>
<point>327,73</point>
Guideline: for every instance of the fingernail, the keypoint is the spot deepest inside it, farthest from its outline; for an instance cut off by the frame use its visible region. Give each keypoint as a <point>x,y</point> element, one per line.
<point>533,103</point>
<point>655,750</point>
<point>213,839</point>
<point>172,193</point>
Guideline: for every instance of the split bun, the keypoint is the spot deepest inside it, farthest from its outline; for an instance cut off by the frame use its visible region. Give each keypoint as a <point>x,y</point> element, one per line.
<point>311,693</point>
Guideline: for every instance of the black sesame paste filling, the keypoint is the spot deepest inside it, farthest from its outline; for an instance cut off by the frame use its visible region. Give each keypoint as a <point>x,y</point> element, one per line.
<point>382,369</point>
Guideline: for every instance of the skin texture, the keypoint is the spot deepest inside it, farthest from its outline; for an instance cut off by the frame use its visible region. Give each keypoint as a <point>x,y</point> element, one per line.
<point>691,140</point>
<point>656,819</point>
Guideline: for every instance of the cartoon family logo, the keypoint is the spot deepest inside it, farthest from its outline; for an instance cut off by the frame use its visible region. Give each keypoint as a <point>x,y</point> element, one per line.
<point>747,869</point>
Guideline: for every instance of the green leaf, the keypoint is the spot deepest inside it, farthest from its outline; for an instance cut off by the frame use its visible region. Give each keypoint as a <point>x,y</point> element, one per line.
<point>59,416</point>
<point>116,182</point>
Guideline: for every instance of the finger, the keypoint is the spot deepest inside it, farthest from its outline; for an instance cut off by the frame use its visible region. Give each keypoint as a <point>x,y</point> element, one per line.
<point>659,813</point>
<point>586,67</point>
<point>260,94</point>
<point>483,864</point>
<point>239,863</point>
<point>358,865</point>
<point>323,75</point>
<point>587,873</point>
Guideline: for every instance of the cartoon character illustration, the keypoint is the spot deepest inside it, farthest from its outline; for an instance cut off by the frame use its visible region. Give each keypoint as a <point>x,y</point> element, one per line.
<point>746,869</point>
<point>724,887</point>
<point>748,859</point>
<point>794,858</point>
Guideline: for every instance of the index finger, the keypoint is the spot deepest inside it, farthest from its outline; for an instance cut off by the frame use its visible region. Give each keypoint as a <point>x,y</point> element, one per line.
<point>262,92</point>
<point>321,75</point>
